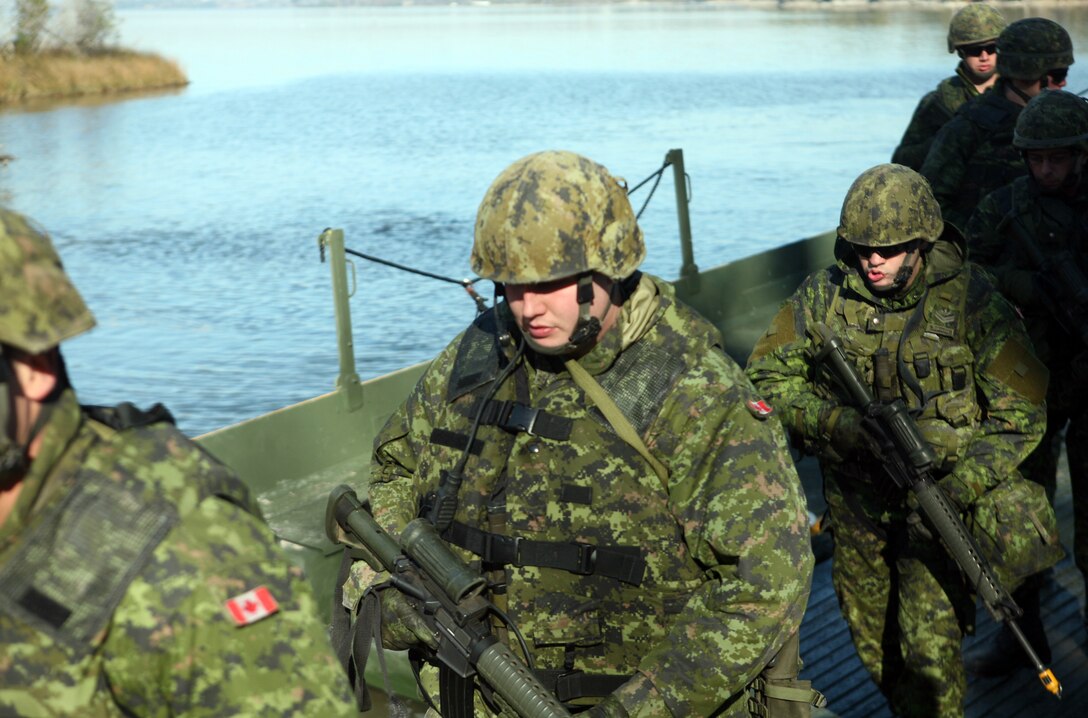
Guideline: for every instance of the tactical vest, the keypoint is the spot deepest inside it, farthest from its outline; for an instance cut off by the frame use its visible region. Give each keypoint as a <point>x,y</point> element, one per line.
<point>919,354</point>
<point>534,482</point>
<point>61,584</point>
<point>952,94</point>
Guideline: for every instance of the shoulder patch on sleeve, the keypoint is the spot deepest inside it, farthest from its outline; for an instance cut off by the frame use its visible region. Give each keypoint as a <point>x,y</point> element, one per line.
<point>759,408</point>
<point>252,606</point>
<point>782,331</point>
<point>1018,368</point>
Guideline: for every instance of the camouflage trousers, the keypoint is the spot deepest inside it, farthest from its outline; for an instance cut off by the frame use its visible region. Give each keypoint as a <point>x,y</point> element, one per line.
<point>1042,467</point>
<point>904,601</point>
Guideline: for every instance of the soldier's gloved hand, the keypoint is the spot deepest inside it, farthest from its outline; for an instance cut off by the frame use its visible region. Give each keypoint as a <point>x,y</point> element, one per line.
<point>917,528</point>
<point>634,699</point>
<point>849,436</point>
<point>402,627</point>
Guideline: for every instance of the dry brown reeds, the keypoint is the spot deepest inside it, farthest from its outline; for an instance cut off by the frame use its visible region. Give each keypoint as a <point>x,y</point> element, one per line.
<point>65,74</point>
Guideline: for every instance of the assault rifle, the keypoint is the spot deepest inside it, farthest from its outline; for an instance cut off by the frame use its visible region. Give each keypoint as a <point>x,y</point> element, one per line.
<point>1065,291</point>
<point>911,461</point>
<point>446,594</point>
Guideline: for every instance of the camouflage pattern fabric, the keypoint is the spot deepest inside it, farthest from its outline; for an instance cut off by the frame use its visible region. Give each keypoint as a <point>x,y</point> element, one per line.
<point>1051,120</point>
<point>934,110</point>
<point>166,643</point>
<point>1029,47</point>
<point>973,155</point>
<point>900,595</point>
<point>907,208</point>
<point>728,562</point>
<point>1057,225</point>
<point>552,215</point>
<point>39,307</point>
<point>974,24</point>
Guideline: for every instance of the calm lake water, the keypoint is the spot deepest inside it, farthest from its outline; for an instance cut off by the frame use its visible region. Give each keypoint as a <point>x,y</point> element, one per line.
<point>189,219</point>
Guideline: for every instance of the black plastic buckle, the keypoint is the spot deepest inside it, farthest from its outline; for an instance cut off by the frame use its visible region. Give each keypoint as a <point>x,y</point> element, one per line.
<point>521,418</point>
<point>587,559</point>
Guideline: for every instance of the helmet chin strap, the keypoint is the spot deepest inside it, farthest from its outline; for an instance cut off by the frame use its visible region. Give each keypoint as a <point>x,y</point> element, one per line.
<point>906,270</point>
<point>586,329</point>
<point>1023,95</point>
<point>15,456</point>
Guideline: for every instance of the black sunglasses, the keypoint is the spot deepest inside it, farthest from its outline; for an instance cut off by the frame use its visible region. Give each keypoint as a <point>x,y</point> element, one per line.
<point>1058,74</point>
<point>976,50</point>
<point>886,251</point>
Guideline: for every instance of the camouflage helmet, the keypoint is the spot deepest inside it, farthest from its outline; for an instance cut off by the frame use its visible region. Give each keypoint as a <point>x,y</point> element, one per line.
<point>974,24</point>
<point>1027,48</point>
<point>1052,119</point>
<point>553,215</point>
<point>39,307</point>
<point>887,205</point>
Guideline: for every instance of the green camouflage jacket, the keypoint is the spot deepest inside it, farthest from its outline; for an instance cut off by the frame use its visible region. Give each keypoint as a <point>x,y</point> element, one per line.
<point>973,155</point>
<point>1059,229</point>
<point>718,558</point>
<point>934,109</point>
<point>117,570</point>
<point>965,351</point>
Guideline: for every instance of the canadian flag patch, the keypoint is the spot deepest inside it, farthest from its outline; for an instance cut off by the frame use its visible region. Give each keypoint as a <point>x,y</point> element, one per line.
<point>759,408</point>
<point>252,606</point>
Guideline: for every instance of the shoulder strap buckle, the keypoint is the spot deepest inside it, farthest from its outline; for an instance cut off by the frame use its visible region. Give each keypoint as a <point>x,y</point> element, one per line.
<point>521,418</point>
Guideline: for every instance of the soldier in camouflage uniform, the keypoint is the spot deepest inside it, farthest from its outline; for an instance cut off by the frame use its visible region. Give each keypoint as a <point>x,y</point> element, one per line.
<point>136,577</point>
<point>1047,211</point>
<point>971,35</point>
<point>973,153</point>
<point>658,558</point>
<point>925,326</point>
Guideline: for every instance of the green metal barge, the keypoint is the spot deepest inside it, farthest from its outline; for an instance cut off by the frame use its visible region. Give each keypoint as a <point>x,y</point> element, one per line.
<point>293,457</point>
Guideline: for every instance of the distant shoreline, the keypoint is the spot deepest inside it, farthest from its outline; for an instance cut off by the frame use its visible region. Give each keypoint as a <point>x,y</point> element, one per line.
<point>65,75</point>
<point>1027,5</point>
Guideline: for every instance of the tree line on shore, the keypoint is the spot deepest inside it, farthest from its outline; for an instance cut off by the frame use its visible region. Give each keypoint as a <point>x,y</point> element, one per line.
<point>80,26</point>
<point>68,48</point>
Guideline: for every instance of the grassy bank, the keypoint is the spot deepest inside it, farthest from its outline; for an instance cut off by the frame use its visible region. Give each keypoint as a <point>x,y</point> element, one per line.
<point>60,74</point>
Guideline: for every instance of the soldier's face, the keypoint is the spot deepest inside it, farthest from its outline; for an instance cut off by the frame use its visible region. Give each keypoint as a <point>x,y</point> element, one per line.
<point>1052,167</point>
<point>547,313</point>
<point>980,59</point>
<point>880,265</point>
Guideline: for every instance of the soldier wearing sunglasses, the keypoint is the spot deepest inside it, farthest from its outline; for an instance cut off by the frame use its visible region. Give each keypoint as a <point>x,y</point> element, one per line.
<point>972,34</point>
<point>973,153</point>
<point>926,328</point>
<point>1043,216</point>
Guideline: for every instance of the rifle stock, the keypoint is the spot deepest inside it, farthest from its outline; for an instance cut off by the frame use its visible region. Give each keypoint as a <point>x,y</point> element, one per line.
<point>911,462</point>
<point>446,593</point>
